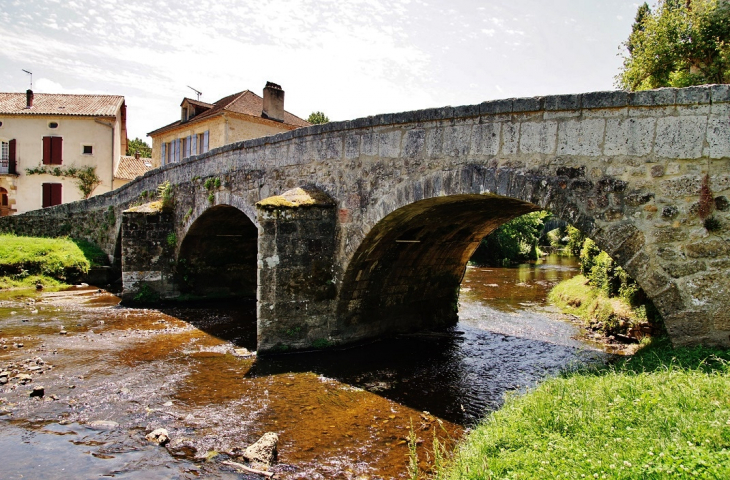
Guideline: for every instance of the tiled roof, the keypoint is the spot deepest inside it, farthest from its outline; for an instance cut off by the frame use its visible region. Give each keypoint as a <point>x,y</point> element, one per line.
<point>130,168</point>
<point>61,104</point>
<point>246,102</point>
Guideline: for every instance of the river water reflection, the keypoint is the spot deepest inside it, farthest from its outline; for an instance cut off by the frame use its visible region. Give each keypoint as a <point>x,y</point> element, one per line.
<point>339,414</point>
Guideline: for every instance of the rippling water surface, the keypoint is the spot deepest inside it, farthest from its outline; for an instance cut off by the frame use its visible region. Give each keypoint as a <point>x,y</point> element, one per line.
<point>339,414</point>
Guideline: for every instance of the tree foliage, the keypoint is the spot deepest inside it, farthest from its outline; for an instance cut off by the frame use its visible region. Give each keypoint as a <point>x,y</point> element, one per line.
<point>316,118</point>
<point>139,145</point>
<point>514,241</point>
<point>678,44</point>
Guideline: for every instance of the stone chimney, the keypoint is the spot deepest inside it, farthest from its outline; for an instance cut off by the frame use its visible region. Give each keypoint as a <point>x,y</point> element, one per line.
<point>29,98</point>
<point>273,102</point>
<point>136,154</point>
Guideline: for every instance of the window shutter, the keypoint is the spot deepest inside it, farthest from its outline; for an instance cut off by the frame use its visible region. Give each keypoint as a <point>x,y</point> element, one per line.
<point>12,165</point>
<point>162,155</point>
<point>205,140</point>
<point>47,150</point>
<point>56,150</point>
<point>56,193</point>
<point>188,145</point>
<point>46,195</point>
<point>194,147</point>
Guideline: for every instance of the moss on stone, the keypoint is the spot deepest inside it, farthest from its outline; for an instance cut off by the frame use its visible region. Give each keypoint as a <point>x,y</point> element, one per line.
<point>151,207</point>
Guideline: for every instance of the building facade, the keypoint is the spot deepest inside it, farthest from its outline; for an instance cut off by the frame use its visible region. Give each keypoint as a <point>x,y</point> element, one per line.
<point>204,126</point>
<point>45,137</point>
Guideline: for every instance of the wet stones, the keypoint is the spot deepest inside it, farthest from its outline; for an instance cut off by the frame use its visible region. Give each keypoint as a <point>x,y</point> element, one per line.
<point>37,391</point>
<point>160,436</point>
<point>263,453</point>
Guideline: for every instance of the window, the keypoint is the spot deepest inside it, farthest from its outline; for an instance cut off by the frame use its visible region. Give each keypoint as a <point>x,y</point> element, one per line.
<point>51,194</point>
<point>52,150</point>
<point>52,124</point>
<point>203,142</point>
<point>3,197</point>
<point>4,151</point>
<point>88,150</point>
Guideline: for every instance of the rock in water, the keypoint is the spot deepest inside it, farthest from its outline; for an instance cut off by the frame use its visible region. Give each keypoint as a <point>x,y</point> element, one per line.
<point>158,436</point>
<point>262,454</point>
<point>37,392</point>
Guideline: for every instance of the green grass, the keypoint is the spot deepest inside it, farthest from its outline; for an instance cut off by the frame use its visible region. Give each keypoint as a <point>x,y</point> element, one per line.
<point>609,315</point>
<point>26,261</point>
<point>663,413</point>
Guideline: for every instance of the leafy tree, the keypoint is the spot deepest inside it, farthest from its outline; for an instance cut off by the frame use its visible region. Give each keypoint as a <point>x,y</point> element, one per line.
<point>139,145</point>
<point>316,118</point>
<point>680,43</point>
<point>514,241</point>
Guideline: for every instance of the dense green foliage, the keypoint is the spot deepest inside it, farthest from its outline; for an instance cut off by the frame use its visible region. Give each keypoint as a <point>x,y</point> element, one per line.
<point>316,118</point>
<point>29,259</point>
<point>680,43</point>
<point>514,241</point>
<point>139,146</point>
<point>663,413</point>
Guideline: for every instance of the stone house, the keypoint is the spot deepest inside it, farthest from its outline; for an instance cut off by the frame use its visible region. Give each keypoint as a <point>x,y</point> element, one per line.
<point>56,132</point>
<point>204,126</point>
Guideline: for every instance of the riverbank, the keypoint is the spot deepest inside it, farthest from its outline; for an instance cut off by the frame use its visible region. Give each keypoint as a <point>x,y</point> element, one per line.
<point>661,413</point>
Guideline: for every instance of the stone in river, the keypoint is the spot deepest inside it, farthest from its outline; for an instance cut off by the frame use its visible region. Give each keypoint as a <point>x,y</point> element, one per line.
<point>262,454</point>
<point>158,436</point>
<point>103,425</point>
<point>37,392</point>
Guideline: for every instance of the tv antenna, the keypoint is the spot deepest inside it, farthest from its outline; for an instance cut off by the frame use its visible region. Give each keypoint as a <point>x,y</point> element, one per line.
<point>31,77</point>
<point>197,92</point>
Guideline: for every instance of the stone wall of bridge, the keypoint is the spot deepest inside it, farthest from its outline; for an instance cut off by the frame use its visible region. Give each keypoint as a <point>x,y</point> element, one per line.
<point>414,192</point>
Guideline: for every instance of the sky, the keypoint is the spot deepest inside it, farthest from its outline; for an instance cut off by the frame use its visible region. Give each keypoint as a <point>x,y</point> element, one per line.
<point>346,58</point>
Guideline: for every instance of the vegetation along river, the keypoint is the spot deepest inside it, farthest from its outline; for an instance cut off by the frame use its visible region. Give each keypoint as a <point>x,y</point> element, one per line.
<point>117,373</point>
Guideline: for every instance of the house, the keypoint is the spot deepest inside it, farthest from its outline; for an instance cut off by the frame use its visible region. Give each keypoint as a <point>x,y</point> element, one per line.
<point>204,126</point>
<point>131,167</point>
<point>45,138</point>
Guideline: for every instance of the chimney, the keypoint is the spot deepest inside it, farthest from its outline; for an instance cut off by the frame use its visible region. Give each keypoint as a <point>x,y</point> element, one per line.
<point>136,154</point>
<point>273,102</point>
<point>29,98</point>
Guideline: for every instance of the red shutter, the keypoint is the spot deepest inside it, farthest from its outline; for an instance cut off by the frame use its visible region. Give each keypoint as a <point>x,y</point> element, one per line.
<point>56,150</point>
<point>56,193</point>
<point>12,165</point>
<point>46,195</point>
<point>47,150</point>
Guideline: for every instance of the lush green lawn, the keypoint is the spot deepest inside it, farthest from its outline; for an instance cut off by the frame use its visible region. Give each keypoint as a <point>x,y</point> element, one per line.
<point>25,261</point>
<point>663,413</point>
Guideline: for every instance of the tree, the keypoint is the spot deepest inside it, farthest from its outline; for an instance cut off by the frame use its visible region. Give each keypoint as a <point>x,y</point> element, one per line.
<point>139,145</point>
<point>680,43</point>
<point>316,118</point>
<point>514,241</point>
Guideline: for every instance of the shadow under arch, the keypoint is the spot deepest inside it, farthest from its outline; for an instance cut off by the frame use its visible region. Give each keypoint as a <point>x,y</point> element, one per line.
<point>406,273</point>
<point>217,257</point>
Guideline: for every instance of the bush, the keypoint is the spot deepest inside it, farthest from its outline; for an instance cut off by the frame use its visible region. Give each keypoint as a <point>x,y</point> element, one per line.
<point>513,242</point>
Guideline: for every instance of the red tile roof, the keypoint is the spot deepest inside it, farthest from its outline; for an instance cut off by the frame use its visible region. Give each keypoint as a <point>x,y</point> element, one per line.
<point>130,168</point>
<point>61,104</point>
<point>246,102</point>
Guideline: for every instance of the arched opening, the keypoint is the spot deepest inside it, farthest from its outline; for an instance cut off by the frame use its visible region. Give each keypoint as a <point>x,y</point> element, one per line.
<point>407,271</point>
<point>218,255</point>
<point>4,203</point>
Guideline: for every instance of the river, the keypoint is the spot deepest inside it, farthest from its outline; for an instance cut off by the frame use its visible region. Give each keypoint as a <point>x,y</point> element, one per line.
<point>116,373</point>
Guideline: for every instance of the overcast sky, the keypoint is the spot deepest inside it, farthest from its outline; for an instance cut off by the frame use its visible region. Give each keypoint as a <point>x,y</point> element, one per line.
<point>347,58</point>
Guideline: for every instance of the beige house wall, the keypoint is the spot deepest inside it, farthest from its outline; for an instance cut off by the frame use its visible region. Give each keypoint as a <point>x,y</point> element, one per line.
<point>76,131</point>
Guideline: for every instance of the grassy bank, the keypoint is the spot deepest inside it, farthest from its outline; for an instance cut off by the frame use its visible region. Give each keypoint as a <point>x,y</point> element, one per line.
<point>663,413</point>
<point>27,261</point>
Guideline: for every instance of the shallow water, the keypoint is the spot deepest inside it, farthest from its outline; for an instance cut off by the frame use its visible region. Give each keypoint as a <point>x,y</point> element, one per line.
<point>339,414</point>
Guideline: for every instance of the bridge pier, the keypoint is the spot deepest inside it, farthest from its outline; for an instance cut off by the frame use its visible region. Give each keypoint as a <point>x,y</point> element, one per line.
<point>296,253</point>
<point>148,254</point>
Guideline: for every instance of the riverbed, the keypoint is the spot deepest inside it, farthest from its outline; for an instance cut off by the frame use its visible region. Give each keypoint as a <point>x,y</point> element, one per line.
<point>111,374</point>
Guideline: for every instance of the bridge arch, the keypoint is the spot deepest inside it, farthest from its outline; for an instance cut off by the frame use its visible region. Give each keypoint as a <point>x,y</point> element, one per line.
<point>408,265</point>
<point>218,255</point>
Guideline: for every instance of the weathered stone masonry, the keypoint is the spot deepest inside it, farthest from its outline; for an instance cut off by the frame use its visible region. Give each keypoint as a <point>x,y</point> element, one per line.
<point>414,191</point>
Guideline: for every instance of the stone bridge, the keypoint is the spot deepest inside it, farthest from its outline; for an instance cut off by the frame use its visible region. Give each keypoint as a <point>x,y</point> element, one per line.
<point>352,230</point>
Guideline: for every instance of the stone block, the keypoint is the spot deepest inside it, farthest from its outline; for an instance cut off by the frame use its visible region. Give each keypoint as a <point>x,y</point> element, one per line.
<point>496,107</point>
<point>414,143</point>
<point>530,104</point>
<point>684,186</point>
<point>609,99</point>
<point>456,140</point>
<point>680,137</point>
<point>369,144</point>
<point>632,136</point>
<point>562,102</point>
<point>650,98</point>
<point>510,138</point>
<point>581,137</point>
<point>485,139</point>
<point>684,326</point>
<point>352,146</point>
<point>466,111</point>
<point>389,144</point>
<point>683,269</point>
<point>669,300</point>
<point>717,136</point>
<point>669,234</point>
<point>538,137</point>
<point>720,93</point>
<point>713,248</point>
<point>693,95</point>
